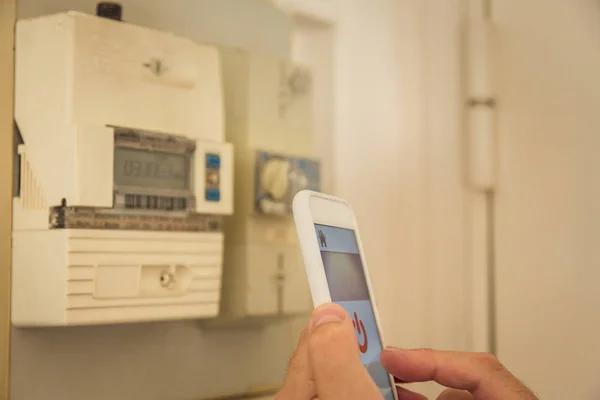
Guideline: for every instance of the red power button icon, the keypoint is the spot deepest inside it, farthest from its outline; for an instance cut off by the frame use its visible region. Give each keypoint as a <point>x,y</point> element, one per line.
<point>360,328</point>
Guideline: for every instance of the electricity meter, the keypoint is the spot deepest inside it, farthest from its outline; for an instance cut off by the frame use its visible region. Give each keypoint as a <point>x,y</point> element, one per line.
<point>269,122</point>
<point>124,174</point>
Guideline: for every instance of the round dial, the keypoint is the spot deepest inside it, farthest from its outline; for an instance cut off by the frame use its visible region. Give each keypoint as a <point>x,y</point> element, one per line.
<point>274,178</point>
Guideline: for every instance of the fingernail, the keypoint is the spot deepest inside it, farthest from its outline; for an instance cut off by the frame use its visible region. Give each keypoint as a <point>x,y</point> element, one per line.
<point>393,348</point>
<point>326,314</point>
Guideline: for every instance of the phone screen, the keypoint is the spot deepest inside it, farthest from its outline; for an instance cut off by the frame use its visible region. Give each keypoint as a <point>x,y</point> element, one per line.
<point>348,288</point>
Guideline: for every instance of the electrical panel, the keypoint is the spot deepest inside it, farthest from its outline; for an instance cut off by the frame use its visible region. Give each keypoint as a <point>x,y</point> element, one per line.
<point>124,174</point>
<point>269,122</point>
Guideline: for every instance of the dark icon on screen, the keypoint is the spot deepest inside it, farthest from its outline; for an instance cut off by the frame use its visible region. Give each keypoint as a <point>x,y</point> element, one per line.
<point>360,328</point>
<point>322,239</point>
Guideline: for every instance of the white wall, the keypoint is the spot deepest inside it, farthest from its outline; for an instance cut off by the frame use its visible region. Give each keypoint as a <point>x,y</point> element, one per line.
<point>398,158</point>
<point>369,109</point>
<point>397,154</point>
<point>548,201</point>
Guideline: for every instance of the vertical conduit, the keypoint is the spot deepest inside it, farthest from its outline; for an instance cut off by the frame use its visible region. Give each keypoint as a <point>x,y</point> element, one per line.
<point>481,111</point>
<point>491,230</point>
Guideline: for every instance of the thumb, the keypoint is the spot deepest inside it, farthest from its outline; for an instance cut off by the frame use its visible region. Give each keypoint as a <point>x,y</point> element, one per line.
<point>335,359</point>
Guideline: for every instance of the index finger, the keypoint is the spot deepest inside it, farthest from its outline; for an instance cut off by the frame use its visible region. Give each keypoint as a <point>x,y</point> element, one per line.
<point>479,373</point>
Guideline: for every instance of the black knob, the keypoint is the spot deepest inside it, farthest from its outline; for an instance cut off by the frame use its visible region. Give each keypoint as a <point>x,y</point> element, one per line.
<point>110,10</point>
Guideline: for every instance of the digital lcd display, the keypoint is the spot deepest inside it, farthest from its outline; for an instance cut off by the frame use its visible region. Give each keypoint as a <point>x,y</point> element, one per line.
<point>151,169</point>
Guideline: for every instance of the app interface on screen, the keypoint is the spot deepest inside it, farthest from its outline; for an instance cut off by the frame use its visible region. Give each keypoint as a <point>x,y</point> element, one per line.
<point>348,288</point>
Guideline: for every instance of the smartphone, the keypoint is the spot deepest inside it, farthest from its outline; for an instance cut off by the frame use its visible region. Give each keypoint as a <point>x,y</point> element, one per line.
<point>337,272</point>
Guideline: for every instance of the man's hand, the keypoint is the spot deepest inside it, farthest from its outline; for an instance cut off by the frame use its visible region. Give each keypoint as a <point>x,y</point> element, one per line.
<point>468,376</point>
<point>326,364</point>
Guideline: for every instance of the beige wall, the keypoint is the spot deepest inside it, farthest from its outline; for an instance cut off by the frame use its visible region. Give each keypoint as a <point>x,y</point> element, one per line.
<point>548,202</point>
<point>249,24</point>
<point>398,158</point>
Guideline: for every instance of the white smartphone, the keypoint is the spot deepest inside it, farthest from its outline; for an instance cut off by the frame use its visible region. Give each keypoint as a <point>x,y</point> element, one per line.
<point>338,273</point>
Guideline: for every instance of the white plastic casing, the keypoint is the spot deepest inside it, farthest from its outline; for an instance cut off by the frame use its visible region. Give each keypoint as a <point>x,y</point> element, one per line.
<point>78,75</point>
<point>264,275</point>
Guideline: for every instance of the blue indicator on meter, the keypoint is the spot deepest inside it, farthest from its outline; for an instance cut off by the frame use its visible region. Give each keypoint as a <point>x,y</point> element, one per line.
<point>213,161</point>
<point>213,195</point>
